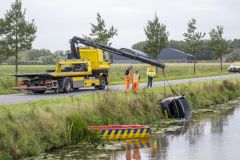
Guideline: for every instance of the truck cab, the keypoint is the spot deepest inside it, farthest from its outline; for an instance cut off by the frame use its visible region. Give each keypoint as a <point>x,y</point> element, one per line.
<point>97,58</point>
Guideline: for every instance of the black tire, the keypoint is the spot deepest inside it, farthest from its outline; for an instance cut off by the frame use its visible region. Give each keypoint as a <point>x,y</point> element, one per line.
<point>103,83</point>
<point>55,91</point>
<point>67,85</point>
<point>36,92</point>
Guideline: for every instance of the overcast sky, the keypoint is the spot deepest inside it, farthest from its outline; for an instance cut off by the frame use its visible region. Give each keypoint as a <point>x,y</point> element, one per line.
<point>59,20</point>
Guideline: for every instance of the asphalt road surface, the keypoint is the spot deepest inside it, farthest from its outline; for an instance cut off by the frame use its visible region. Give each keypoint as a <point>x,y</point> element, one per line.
<point>23,97</point>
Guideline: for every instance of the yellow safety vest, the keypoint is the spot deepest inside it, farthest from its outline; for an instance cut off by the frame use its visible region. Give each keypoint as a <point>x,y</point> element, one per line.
<point>135,78</point>
<point>151,72</point>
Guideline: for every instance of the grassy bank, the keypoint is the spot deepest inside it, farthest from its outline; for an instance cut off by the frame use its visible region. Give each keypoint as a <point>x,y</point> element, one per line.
<point>31,128</point>
<point>173,71</point>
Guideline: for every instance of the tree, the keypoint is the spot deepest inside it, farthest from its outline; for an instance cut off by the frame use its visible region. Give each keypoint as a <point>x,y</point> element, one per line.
<point>16,34</point>
<point>139,46</point>
<point>235,44</point>
<point>100,34</point>
<point>2,58</point>
<point>233,56</point>
<point>157,37</point>
<point>194,40</point>
<point>180,45</point>
<point>217,43</point>
<point>205,54</point>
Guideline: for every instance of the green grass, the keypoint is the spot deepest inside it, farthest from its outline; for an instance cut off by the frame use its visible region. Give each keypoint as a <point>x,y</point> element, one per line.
<point>173,71</point>
<point>28,129</point>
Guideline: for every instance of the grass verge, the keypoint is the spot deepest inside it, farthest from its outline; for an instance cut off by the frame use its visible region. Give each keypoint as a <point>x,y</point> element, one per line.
<point>28,129</point>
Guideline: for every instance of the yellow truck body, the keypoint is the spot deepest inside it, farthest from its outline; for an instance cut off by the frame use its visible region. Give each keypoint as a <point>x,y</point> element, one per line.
<point>91,70</point>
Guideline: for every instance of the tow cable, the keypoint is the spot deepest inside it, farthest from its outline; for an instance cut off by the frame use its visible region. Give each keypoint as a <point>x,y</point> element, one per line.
<point>175,106</point>
<point>165,79</point>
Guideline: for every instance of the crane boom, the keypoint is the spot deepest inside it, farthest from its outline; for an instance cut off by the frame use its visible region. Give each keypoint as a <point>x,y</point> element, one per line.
<point>136,56</point>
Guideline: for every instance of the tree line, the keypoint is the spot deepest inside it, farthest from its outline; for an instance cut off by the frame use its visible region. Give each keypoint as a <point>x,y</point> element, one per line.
<point>204,54</point>
<point>194,43</point>
<point>36,56</point>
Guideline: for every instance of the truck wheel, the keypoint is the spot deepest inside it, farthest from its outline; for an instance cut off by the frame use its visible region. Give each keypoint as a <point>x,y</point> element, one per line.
<point>67,85</point>
<point>102,83</point>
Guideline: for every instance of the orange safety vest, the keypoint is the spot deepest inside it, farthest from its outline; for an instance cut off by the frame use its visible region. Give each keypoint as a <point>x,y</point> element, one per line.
<point>135,78</point>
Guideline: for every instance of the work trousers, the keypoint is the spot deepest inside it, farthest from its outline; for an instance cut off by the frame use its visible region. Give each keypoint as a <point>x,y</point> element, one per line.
<point>135,87</point>
<point>127,85</point>
<point>150,79</point>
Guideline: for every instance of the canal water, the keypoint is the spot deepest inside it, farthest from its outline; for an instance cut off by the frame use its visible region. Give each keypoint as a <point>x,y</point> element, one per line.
<point>208,138</point>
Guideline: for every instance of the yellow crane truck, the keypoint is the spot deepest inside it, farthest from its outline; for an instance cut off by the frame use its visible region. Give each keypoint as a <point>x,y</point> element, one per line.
<point>85,67</point>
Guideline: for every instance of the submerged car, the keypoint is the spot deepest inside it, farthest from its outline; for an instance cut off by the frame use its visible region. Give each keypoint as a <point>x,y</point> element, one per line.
<point>234,68</point>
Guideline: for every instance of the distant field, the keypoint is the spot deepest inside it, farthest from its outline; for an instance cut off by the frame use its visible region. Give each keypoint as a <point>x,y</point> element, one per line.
<point>172,70</point>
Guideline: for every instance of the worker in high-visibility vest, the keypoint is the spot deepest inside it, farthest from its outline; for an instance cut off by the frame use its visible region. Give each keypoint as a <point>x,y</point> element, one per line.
<point>127,78</point>
<point>136,78</point>
<point>151,73</point>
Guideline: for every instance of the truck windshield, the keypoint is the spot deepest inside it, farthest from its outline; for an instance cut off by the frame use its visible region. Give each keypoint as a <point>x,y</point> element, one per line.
<point>107,57</point>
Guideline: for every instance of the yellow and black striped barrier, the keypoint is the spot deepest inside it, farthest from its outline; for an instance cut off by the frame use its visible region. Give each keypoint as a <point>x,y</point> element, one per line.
<point>122,131</point>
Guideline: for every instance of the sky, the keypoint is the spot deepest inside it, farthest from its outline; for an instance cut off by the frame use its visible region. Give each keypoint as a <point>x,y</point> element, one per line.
<point>58,21</point>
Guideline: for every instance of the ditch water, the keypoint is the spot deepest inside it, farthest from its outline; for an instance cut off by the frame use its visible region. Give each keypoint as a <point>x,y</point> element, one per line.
<point>212,137</point>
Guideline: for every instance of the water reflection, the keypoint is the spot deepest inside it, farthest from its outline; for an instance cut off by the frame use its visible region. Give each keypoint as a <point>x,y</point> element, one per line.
<point>218,122</point>
<point>215,137</point>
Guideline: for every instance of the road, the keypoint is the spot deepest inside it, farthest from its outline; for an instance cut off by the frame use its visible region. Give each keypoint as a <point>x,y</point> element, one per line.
<point>19,98</point>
